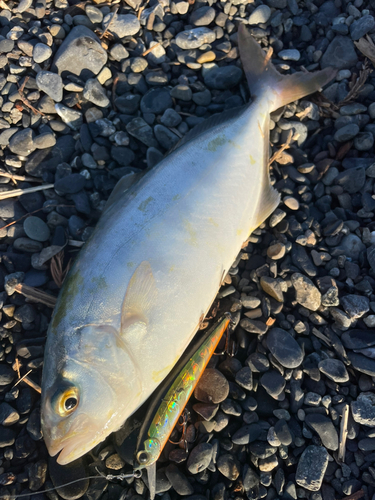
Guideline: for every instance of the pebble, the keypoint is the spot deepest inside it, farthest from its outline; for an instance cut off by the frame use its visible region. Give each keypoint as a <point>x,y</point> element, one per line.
<point>80,54</point>
<point>334,369</point>
<point>229,466</point>
<point>51,84</point>
<point>284,348</point>
<point>273,382</point>
<point>346,133</point>
<point>70,184</point>
<point>289,55</point>
<point>95,93</point>
<point>202,16</point>
<point>311,468</point>
<point>260,15</point>
<point>195,38</point>
<point>306,292</point>
<point>199,458</point>
<point>325,429</point>
<point>60,475</point>
<point>340,54</point>
<point>41,53</point>
<point>69,116</point>
<point>355,305</point>
<point>178,481</point>
<point>22,142</point>
<point>222,78</point>
<point>212,387</point>
<point>121,25</point>
<point>36,229</point>
<point>361,27</point>
<point>363,409</point>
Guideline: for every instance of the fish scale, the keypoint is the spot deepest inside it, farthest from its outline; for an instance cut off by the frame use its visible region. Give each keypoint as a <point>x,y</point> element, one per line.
<point>138,290</point>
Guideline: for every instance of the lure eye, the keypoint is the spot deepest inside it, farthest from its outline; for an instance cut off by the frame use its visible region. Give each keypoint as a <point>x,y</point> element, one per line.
<point>143,457</point>
<point>66,401</point>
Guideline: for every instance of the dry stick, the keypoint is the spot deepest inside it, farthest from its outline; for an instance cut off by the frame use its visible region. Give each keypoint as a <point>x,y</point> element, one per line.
<point>19,177</point>
<point>20,192</point>
<point>36,295</point>
<point>3,5</point>
<point>150,49</point>
<point>343,433</point>
<point>34,212</point>
<point>109,24</point>
<point>356,496</point>
<point>26,101</point>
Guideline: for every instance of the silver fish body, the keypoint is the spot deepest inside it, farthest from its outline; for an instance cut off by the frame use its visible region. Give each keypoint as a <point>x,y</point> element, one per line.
<point>140,287</point>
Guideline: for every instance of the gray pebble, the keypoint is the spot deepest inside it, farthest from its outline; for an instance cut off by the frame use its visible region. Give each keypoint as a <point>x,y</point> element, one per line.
<point>36,229</point>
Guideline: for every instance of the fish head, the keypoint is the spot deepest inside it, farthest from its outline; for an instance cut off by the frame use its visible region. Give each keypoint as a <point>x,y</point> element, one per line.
<point>85,395</point>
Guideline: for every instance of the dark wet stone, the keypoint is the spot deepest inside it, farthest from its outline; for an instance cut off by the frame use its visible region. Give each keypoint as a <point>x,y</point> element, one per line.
<point>358,339</point>
<point>80,54</point>
<point>7,437</point>
<point>361,26</point>
<point>7,375</point>
<point>244,378</point>
<point>340,54</point>
<point>311,468</point>
<point>325,429</point>
<point>362,363</point>
<point>8,415</point>
<point>284,348</point>
<point>247,434</point>
<point>202,16</point>
<point>64,474</point>
<point>262,449</point>
<point>250,481</point>
<point>355,305</point>
<point>22,143</point>
<point>303,261</point>
<point>334,369</point>
<point>156,101</point>
<point>212,387</point>
<point>222,78</point>
<point>273,382</point>
<point>199,458</point>
<point>351,180</point>
<point>283,433</point>
<point>123,155</point>
<point>178,480</point>
<point>36,229</point>
<point>363,409</point>
<point>33,425</point>
<point>229,466</point>
<point>258,362</point>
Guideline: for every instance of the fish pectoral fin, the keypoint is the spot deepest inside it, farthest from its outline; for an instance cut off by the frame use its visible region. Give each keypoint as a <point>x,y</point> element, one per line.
<point>139,299</point>
<point>122,187</point>
<point>269,200</point>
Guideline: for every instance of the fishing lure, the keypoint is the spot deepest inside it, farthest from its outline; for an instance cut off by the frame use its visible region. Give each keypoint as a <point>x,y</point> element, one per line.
<point>166,411</point>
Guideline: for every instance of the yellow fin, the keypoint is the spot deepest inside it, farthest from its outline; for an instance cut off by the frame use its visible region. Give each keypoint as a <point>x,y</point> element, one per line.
<point>139,299</point>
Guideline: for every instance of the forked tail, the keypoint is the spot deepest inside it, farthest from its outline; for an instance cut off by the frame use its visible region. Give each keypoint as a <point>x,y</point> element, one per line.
<point>262,76</point>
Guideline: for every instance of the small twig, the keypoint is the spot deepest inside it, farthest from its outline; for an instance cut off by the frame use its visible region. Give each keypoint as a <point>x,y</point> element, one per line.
<point>36,295</point>
<point>355,496</point>
<point>57,270</point>
<point>3,5</point>
<point>19,177</point>
<point>17,367</point>
<point>114,85</point>
<point>34,212</point>
<point>26,101</point>
<point>343,433</point>
<point>109,24</point>
<point>22,378</point>
<point>367,47</point>
<point>283,148</point>
<point>150,49</point>
<point>20,192</point>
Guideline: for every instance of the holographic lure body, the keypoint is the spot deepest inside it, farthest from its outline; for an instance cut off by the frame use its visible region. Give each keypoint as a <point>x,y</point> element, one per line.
<point>175,400</point>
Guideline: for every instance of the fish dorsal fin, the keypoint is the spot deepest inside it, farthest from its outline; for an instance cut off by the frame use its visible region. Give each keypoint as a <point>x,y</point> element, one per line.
<point>269,196</point>
<point>139,299</point>
<point>211,122</point>
<point>121,190</point>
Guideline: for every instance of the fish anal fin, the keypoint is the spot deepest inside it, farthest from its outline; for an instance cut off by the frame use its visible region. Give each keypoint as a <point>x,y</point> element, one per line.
<point>139,299</point>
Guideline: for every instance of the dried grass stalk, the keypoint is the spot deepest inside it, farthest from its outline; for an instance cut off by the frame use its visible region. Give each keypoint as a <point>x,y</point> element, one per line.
<point>35,295</point>
<point>57,268</point>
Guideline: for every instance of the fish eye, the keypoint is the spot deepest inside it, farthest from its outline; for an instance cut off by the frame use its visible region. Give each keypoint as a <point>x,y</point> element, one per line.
<point>143,457</point>
<point>65,401</point>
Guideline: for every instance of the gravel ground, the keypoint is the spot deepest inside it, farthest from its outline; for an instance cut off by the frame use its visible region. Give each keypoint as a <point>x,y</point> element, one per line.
<point>90,92</point>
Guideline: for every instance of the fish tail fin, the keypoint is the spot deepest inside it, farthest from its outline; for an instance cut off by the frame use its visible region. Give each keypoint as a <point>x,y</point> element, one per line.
<point>261,74</point>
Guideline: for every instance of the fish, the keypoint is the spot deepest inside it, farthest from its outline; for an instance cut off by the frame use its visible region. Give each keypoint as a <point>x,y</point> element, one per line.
<point>140,287</point>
